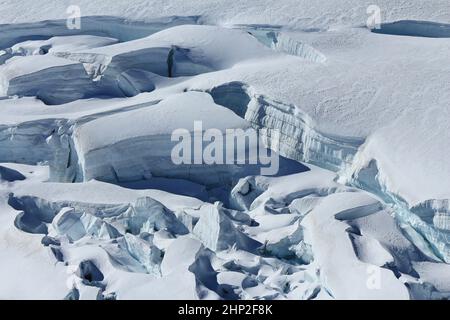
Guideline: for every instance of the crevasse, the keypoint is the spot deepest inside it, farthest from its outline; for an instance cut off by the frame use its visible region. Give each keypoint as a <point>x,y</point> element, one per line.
<point>296,137</point>
<point>295,134</point>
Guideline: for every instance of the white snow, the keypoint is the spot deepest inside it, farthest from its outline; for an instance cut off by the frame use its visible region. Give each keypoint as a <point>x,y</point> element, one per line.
<point>92,207</point>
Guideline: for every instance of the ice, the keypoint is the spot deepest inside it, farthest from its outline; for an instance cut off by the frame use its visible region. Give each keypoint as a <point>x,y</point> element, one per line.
<point>396,183</point>
<point>146,138</point>
<point>415,29</point>
<point>97,26</point>
<point>148,215</point>
<point>117,71</point>
<point>60,44</point>
<point>88,270</point>
<point>93,207</point>
<point>217,232</point>
<point>151,141</point>
<point>246,191</point>
<point>272,37</point>
<point>10,175</point>
<point>143,251</point>
<point>16,142</point>
<point>336,254</point>
<point>181,252</point>
<point>299,139</point>
<point>75,225</point>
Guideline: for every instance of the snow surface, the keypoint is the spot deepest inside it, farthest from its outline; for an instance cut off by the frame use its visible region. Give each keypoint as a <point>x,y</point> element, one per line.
<point>91,206</point>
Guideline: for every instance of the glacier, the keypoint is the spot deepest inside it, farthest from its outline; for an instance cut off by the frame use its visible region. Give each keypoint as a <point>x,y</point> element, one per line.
<point>92,206</point>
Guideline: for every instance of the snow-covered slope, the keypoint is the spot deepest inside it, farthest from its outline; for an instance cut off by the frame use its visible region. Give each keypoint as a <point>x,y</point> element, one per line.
<point>360,206</point>
<point>316,14</point>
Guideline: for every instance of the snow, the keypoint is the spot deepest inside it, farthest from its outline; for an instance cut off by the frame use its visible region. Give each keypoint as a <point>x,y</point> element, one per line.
<point>92,206</point>
<point>320,14</point>
<point>335,254</point>
<point>192,106</point>
<point>61,44</point>
<point>216,231</point>
<point>411,180</point>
